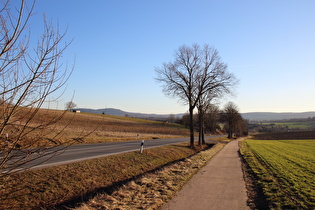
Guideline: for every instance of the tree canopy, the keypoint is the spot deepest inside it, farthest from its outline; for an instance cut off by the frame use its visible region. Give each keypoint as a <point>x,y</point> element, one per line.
<point>195,72</point>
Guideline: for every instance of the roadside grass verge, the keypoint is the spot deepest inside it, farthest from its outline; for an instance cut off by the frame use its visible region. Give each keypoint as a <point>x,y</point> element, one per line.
<point>284,170</point>
<point>72,183</point>
<point>152,190</point>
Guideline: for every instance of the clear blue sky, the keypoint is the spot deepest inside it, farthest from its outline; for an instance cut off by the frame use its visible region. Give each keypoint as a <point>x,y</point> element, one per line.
<point>268,44</point>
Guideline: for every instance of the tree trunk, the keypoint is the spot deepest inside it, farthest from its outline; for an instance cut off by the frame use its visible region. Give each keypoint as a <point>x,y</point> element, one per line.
<point>191,126</point>
<point>203,133</point>
<point>200,125</point>
<point>230,132</point>
<point>201,117</point>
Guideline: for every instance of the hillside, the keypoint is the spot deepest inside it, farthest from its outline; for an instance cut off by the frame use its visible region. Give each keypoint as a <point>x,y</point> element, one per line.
<point>118,112</point>
<point>253,116</point>
<point>88,128</point>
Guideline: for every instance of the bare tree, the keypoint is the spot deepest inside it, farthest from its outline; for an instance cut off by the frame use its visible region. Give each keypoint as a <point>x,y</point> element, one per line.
<point>185,120</point>
<point>204,104</point>
<point>29,75</point>
<point>171,118</point>
<point>194,72</point>
<point>231,117</point>
<point>212,117</point>
<point>70,105</point>
<point>241,128</point>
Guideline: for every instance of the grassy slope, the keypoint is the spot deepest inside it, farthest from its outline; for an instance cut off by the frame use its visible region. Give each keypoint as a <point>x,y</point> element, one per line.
<point>284,169</point>
<point>152,190</point>
<point>299,125</point>
<point>92,128</point>
<point>112,128</point>
<point>52,186</point>
<point>295,125</point>
<point>72,182</point>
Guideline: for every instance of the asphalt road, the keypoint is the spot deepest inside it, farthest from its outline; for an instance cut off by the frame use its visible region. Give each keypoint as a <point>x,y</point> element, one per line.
<point>75,153</point>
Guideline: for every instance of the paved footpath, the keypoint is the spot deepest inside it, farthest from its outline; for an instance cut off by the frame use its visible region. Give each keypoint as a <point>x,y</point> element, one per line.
<point>219,185</point>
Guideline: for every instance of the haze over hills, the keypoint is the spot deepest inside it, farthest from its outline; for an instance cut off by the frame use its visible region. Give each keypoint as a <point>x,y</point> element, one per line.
<point>253,116</point>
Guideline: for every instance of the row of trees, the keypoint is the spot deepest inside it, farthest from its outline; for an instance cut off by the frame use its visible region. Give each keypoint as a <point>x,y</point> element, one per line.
<point>234,123</point>
<point>196,76</point>
<point>215,120</point>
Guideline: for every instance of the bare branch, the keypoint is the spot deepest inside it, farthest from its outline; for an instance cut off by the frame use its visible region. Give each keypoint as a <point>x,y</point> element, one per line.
<point>28,77</point>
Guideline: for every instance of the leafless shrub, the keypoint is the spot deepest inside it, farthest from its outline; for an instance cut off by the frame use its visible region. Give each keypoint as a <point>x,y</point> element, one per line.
<point>30,76</point>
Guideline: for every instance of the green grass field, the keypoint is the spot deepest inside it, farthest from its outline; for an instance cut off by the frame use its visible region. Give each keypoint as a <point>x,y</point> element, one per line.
<point>294,125</point>
<point>302,125</point>
<point>285,170</point>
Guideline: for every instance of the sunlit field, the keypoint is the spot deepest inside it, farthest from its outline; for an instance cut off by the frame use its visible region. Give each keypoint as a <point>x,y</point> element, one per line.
<point>295,125</point>
<point>285,169</point>
<point>85,128</point>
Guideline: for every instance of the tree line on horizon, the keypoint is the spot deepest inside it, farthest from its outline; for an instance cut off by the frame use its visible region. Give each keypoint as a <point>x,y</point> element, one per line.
<point>228,120</point>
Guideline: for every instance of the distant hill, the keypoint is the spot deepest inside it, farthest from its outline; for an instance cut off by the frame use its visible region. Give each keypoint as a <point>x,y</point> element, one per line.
<point>255,116</point>
<point>269,116</point>
<point>118,112</point>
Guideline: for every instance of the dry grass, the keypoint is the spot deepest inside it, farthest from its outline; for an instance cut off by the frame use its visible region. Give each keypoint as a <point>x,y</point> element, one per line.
<point>69,184</point>
<point>66,185</point>
<point>152,190</point>
<point>90,128</point>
